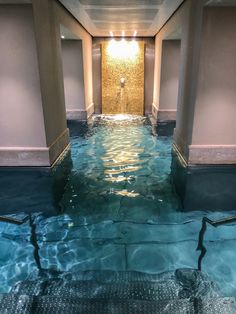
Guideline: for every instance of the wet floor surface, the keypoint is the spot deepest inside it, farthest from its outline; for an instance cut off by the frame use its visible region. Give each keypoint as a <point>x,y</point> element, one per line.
<point>110,205</point>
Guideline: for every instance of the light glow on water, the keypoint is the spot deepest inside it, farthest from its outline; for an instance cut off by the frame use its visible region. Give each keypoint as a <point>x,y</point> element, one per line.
<point>118,211</point>
<point>119,117</point>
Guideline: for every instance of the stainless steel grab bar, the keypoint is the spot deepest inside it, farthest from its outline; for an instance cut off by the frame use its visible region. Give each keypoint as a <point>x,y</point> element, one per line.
<point>215,224</point>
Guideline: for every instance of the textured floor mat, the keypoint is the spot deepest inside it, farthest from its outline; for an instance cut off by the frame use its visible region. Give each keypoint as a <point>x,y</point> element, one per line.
<point>185,291</point>
<point>213,306</point>
<point>12,304</point>
<point>182,284</point>
<point>90,289</point>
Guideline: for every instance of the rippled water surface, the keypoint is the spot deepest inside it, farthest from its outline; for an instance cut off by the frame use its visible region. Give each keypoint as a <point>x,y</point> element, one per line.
<point>114,208</point>
<point>120,172</point>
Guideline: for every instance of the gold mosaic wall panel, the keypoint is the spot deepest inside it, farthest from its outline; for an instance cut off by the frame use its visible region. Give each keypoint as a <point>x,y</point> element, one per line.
<point>128,99</point>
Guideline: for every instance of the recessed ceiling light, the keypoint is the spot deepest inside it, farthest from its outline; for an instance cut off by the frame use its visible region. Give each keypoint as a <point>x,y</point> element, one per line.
<point>62,36</point>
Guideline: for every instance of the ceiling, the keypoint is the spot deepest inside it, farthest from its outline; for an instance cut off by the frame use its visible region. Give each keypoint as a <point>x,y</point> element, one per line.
<point>100,17</point>
<point>221,3</point>
<point>146,17</point>
<point>67,33</point>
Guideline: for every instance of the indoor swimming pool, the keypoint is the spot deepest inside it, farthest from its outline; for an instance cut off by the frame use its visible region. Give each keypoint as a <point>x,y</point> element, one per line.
<point>109,205</point>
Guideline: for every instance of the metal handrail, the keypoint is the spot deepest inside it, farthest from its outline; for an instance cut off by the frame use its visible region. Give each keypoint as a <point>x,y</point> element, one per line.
<point>33,237</point>
<point>33,241</point>
<point>215,224</point>
<point>13,220</point>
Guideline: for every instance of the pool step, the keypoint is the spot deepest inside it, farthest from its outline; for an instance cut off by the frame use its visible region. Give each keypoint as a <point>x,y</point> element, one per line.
<point>23,304</point>
<point>183,291</point>
<point>183,283</point>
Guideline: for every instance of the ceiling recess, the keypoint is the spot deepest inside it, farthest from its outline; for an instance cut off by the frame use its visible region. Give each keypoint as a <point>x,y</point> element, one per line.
<point>100,17</point>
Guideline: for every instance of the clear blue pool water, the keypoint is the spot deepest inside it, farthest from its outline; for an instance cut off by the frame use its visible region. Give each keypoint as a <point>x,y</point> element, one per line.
<point>116,210</point>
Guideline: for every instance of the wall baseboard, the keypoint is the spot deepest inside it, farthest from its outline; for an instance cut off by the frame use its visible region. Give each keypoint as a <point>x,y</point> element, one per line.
<point>34,156</point>
<point>90,110</point>
<point>77,114</point>
<point>166,115</point>
<point>205,154</point>
<point>80,114</point>
<point>212,154</point>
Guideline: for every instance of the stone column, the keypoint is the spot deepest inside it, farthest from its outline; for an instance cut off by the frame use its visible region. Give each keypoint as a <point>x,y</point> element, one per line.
<point>204,154</point>
<point>169,80</point>
<point>166,76</point>
<point>73,79</point>
<point>97,75</point>
<point>206,127</point>
<point>32,112</point>
<point>69,22</point>
<point>149,60</point>
<point>48,41</point>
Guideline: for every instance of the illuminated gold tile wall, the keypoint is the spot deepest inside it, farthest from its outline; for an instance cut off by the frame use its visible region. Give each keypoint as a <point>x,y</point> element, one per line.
<point>130,98</point>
